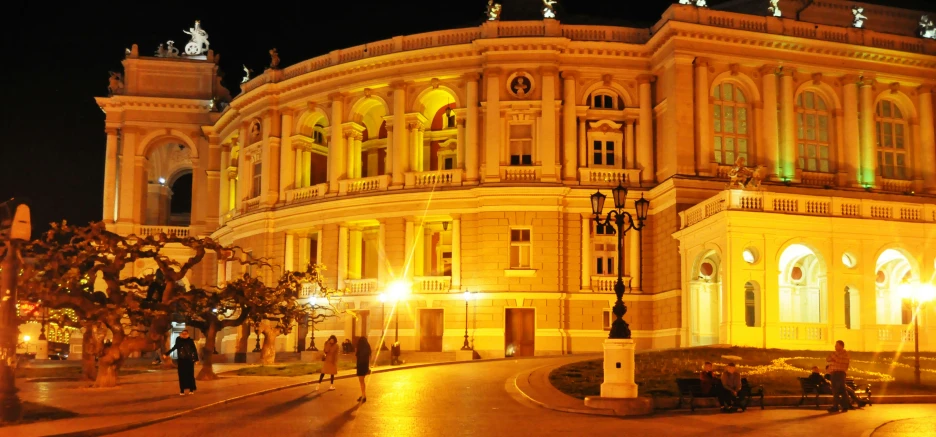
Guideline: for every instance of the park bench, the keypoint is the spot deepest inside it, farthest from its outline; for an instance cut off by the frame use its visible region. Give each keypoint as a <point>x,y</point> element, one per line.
<point>816,390</point>
<point>691,388</point>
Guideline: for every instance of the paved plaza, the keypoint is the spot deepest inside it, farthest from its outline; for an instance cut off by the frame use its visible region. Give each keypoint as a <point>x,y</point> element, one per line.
<point>465,399</point>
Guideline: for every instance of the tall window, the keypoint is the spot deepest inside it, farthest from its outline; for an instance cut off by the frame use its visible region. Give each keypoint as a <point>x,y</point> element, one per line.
<point>750,308</point>
<point>603,152</point>
<point>521,144</point>
<point>730,118</point>
<point>605,251</point>
<point>257,179</point>
<point>891,141</point>
<point>520,248</point>
<point>812,132</point>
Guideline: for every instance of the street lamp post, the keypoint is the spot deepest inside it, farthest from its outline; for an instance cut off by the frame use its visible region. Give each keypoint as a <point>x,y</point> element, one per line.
<point>398,291</point>
<point>313,300</point>
<point>466,347</point>
<point>14,228</point>
<point>623,221</point>
<point>257,332</point>
<point>382,297</point>
<point>918,294</point>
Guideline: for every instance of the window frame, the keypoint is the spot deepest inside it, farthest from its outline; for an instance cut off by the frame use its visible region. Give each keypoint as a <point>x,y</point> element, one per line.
<point>600,258</point>
<point>803,143</point>
<point>520,244</point>
<point>256,178</point>
<point>524,159</point>
<point>720,155</point>
<point>882,151</point>
<point>606,97</point>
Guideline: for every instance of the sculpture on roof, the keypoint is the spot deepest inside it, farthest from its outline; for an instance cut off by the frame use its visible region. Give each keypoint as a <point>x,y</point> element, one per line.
<point>927,27</point>
<point>745,177</point>
<point>198,45</point>
<point>858,12</point>
<point>549,8</point>
<point>171,50</point>
<point>274,59</point>
<point>247,72</point>
<point>493,11</point>
<point>685,2</point>
<point>115,83</point>
<point>774,8</point>
<point>701,3</point>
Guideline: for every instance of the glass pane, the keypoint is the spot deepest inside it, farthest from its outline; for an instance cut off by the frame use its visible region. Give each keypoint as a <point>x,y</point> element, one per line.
<point>824,152</point>
<point>729,112</point>
<point>716,111</point>
<point>608,103</point>
<point>597,145</point>
<point>739,96</point>
<point>597,159</point>
<point>889,159</point>
<point>899,135</point>
<point>901,160</point>
<point>885,109</point>
<point>824,166</point>
<point>514,256</point>
<point>727,90</point>
<point>717,125</point>
<point>799,126</point>
<point>799,162</point>
<point>742,113</point>
<point>729,144</point>
<point>799,100</point>
<point>742,127</point>
<point>514,235</point>
<point>599,266</point>
<point>597,102</point>
<point>820,104</point>
<point>742,145</point>
<point>717,93</point>
<point>799,150</point>
<point>525,234</point>
<point>611,266</point>
<point>823,128</point>
<point>809,100</point>
<point>897,113</point>
<point>609,159</point>
<point>609,146</point>
<point>718,146</point>
<point>811,151</point>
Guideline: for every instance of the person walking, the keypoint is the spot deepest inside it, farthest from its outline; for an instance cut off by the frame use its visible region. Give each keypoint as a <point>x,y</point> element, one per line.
<point>363,365</point>
<point>329,361</point>
<point>188,356</point>
<point>838,364</point>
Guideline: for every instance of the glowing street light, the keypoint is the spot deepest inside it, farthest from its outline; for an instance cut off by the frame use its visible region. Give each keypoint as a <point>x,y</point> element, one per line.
<point>918,294</point>
<point>466,347</point>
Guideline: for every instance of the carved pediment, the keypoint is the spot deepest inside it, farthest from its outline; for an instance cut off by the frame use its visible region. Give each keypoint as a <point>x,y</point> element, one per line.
<point>604,126</point>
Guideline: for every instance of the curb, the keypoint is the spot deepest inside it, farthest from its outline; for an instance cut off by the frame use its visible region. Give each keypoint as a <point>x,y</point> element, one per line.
<point>521,381</point>
<point>133,425</point>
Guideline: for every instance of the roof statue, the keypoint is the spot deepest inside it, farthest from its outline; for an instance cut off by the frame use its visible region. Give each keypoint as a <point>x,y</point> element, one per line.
<point>274,59</point>
<point>115,83</point>
<point>171,51</point>
<point>699,3</point>
<point>198,45</point>
<point>745,177</point>
<point>685,2</point>
<point>858,12</point>
<point>927,27</point>
<point>493,11</point>
<point>247,72</point>
<point>774,8</point>
<point>549,8</point>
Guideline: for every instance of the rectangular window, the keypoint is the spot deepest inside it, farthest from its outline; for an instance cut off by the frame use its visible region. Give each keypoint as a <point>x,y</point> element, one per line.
<point>521,144</point>
<point>604,251</point>
<point>257,179</point>
<point>603,152</point>
<point>449,164</point>
<point>606,318</point>
<point>520,248</point>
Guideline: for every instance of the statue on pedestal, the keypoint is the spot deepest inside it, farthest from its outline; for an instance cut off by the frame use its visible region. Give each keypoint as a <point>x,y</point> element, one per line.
<point>171,50</point>
<point>274,59</point>
<point>549,10</point>
<point>247,72</point>
<point>493,11</point>
<point>927,27</point>
<point>745,177</point>
<point>115,85</point>
<point>858,12</point>
<point>774,8</point>
<point>198,45</point>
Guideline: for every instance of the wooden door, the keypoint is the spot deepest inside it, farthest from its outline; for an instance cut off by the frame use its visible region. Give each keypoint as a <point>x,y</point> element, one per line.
<point>430,330</point>
<point>519,332</point>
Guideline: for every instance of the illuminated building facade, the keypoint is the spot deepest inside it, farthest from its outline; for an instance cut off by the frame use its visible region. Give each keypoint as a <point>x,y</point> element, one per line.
<point>463,160</point>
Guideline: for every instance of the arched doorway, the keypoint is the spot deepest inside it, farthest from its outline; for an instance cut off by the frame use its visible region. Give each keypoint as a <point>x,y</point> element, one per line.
<point>803,295</point>
<point>169,189</point>
<point>180,201</point>
<point>705,294</point>
<point>893,269</point>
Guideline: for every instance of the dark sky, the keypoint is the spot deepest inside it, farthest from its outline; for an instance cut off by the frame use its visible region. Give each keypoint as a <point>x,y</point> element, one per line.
<point>57,58</point>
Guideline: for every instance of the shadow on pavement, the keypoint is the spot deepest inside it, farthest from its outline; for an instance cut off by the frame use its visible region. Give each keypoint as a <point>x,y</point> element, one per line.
<point>35,412</point>
<point>333,426</point>
<point>288,405</point>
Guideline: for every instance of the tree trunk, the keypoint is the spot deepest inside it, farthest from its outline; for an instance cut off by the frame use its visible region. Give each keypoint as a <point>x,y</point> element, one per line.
<point>89,350</point>
<point>107,367</point>
<point>207,372</point>
<point>302,332</point>
<point>268,350</point>
<point>240,346</point>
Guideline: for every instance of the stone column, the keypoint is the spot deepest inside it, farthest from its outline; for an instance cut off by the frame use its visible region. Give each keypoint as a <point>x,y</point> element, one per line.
<point>382,273</point>
<point>414,147</point>
<point>355,254</point>
<point>400,149</point>
<point>547,134</point>
<point>770,137</point>
<point>586,251</point>
<point>290,249</point>
<point>459,143</point>
<point>110,176</point>
<point>224,205</point>
<point>569,147</point>
<point>456,254</point>
<point>298,166</point>
<point>866,127</point>
<point>306,168</point>
<point>582,146</point>
<point>645,130</point>
<point>421,150</point>
<point>142,188</point>
<point>222,273</point>
<point>288,180</point>
<point>787,125</point>
<point>243,174</point>
<point>633,258</point>
<point>213,183</point>
<point>492,124</point>
<point>128,187</point>
<point>270,159</point>
<point>630,152</point>
<point>353,158</point>
<point>927,139</point>
<point>342,256</point>
<point>851,159</point>
<point>703,120</point>
<point>410,236</point>
<point>336,150</point>
<point>471,164</point>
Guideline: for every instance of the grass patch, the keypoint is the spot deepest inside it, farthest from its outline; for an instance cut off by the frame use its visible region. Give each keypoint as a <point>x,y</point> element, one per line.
<point>33,412</point>
<point>656,371</point>
<point>63,372</point>
<point>298,369</point>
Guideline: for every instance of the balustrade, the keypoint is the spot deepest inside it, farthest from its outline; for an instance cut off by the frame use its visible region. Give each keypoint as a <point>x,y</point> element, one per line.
<point>172,231</point>
<point>306,193</point>
<point>609,176</point>
<point>432,284</point>
<point>361,286</point>
<point>429,179</point>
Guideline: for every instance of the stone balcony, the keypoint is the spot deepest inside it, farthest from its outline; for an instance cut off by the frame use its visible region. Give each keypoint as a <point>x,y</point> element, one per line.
<point>304,194</point>
<point>363,185</point>
<point>432,284</point>
<point>172,231</point>
<point>804,332</point>
<point>605,284</point>
<point>429,179</point>
<point>520,173</point>
<point>764,201</point>
<point>609,176</point>
<point>361,286</point>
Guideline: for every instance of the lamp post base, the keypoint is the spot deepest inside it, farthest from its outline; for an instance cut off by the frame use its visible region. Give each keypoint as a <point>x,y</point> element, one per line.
<point>464,355</point>
<point>618,369</point>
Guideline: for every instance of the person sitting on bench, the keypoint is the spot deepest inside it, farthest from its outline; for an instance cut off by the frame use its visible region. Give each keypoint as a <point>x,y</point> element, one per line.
<point>822,382</point>
<point>711,386</point>
<point>850,391</point>
<point>732,395</point>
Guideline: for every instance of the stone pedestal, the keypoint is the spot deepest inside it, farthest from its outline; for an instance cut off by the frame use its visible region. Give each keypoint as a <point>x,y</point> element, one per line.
<point>464,355</point>
<point>310,356</point>
<point>618,369</point>
<point>42,351</point>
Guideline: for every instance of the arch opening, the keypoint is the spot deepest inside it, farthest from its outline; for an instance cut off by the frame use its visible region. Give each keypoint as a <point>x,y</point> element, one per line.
<point>892,270</point>
<point>705,297</point>
<point>803,295</point>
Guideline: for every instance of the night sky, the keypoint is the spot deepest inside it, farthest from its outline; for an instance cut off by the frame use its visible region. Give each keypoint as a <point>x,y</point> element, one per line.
<point>57,58</point>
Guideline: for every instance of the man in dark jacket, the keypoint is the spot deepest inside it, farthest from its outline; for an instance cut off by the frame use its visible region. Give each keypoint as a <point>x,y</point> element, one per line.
<point>821,382</point>
<point>710,384</point>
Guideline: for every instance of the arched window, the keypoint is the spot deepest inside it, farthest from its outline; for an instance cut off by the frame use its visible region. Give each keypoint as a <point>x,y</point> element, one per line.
<point>751,315</point>
<point>802,292</point>
<point>318,135</point>
<point>730,118</point>
<point>852,309</point>
<point>604,100</point>
<point>892,141</point>
<point>812,132</point>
